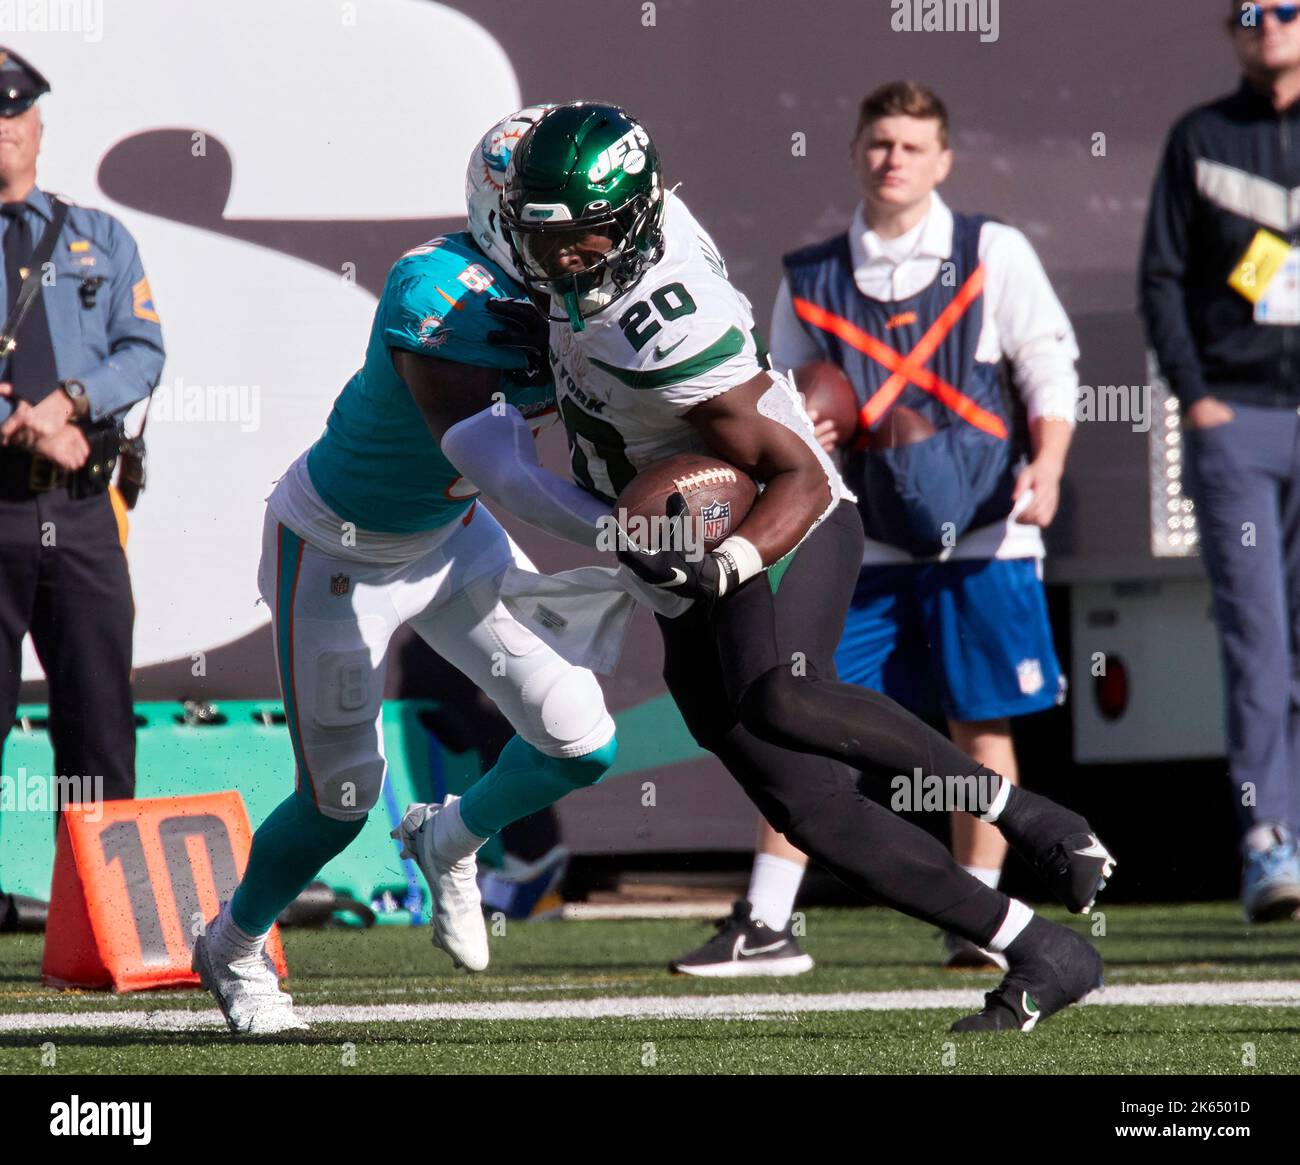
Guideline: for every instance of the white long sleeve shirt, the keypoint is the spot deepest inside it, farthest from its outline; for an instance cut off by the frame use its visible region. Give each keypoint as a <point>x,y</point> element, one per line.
<point>1023,321</point>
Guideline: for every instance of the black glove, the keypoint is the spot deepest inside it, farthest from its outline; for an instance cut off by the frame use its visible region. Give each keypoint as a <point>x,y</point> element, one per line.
<point>528,332</point>
<point>707,578</point>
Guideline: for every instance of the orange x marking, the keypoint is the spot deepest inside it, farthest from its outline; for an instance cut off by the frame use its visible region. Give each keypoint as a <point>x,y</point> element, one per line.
<point>910,369</point>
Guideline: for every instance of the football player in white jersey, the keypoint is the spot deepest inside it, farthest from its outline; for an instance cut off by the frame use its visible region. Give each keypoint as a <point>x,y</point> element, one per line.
<point>655,353</point>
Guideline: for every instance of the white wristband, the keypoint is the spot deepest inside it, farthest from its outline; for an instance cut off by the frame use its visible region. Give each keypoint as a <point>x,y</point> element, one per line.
<point>742,552</point>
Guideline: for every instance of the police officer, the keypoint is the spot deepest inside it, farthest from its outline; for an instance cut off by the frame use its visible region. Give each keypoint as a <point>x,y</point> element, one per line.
<point>88,347</point>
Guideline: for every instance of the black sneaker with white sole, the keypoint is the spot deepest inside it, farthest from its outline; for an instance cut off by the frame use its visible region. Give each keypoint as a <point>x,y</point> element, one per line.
<point>744,947</point>
<point>1060,845</point>
<point>1051,967</point>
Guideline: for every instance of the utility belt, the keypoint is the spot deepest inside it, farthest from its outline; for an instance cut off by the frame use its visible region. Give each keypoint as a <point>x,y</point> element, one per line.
<point>24,474</point>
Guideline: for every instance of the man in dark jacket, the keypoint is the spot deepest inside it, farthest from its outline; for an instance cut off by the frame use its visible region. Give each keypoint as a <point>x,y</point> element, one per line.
<point>1220,295</point>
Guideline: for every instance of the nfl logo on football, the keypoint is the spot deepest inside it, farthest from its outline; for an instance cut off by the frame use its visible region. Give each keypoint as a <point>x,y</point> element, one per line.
<point>716,519</point>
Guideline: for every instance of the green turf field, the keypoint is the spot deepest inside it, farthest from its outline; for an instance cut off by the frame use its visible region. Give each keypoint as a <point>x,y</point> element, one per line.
<point>1190,989</point>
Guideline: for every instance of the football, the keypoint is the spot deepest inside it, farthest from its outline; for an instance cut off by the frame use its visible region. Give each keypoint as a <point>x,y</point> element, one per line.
<point>900,426</point>
<point>827,390</point>
<point>718,496</point>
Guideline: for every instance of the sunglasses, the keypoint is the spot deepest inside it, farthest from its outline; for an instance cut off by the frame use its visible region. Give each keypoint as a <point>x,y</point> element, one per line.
<point>1253,16</point>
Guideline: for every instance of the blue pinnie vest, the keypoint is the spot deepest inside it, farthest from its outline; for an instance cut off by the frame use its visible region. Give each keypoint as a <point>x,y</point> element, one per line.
<point>918,352</point>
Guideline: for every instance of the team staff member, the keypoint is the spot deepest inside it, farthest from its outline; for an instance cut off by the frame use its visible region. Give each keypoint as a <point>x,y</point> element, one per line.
<point>89,347</point>
<point>971,615</point>
<point>1220,295</point>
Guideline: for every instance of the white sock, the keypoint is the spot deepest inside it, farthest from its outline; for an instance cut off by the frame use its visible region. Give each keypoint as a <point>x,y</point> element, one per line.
<point>989,875</point>
<point>451,840</point>
<point>773,887</point>
<point>1018,916</point>
<point>999,802</point>
<point>237,943</point>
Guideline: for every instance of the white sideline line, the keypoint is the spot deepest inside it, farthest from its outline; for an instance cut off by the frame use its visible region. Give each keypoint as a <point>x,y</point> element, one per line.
<point>588,911</point>
<point>1266,993</point>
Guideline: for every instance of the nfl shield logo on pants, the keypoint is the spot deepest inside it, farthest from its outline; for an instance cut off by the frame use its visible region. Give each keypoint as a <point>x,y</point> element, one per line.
<point>716,518</point>
<point>339,584</point>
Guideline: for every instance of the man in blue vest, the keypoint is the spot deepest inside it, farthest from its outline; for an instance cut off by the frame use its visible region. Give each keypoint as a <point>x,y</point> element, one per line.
<point>922,308</point>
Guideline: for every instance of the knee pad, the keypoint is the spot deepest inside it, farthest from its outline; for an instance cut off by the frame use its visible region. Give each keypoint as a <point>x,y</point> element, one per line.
<point>570,710</point>
<point>346,775</point>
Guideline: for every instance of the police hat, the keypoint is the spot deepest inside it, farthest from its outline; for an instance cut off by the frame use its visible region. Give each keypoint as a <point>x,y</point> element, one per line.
<point>20,84</point>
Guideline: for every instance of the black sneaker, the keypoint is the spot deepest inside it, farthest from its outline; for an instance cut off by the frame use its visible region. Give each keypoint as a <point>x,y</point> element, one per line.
<point>1051,967</point>
<point>1061,847</point>
<point>744,946</point>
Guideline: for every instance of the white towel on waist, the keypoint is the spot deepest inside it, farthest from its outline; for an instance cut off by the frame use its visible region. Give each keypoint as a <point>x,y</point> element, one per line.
<point>584,613</point>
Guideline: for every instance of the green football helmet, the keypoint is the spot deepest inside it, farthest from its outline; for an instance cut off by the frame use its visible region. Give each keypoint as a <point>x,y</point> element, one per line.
<point>583,207</point>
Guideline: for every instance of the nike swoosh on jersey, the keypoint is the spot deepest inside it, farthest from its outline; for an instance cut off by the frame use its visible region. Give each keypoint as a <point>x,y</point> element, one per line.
<point>679,577</point>
<point>660,353</point>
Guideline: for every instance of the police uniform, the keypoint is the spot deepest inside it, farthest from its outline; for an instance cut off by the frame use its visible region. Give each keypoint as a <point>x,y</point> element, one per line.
<point>63,571</point>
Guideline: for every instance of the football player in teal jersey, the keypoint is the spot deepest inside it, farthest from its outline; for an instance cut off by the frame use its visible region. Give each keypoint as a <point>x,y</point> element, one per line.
<point>371,528</point>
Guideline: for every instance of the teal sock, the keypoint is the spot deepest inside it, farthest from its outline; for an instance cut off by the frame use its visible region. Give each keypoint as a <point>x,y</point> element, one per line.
<point>525,780</point>
<point>289,850</point>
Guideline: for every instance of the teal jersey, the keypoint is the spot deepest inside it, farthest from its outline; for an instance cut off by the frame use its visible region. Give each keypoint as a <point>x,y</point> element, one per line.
<point>377,465</point>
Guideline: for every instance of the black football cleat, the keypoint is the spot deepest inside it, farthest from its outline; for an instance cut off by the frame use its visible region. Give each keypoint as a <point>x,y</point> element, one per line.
<point>1061,847</point>
<point>1051,967</point>
<point>744,947</point>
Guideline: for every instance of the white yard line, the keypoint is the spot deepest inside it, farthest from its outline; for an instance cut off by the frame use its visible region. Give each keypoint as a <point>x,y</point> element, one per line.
<point>589,911</point>
<point>1267,993</point>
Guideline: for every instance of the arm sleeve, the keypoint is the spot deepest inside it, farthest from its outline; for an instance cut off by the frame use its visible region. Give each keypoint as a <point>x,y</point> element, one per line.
<point>495,450</point>
<point>790,344</point>
<point>1161,282</point>
<point>135,343</point>
<point>1034,331</point>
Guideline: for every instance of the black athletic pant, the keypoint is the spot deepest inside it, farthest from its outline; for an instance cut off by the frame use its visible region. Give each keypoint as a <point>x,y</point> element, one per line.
<point>63,577</point>
<point>754,678</point>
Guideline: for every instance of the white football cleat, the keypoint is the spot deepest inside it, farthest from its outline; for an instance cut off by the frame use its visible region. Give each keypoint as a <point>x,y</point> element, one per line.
<point>458,926</point>
<point>247,990</point>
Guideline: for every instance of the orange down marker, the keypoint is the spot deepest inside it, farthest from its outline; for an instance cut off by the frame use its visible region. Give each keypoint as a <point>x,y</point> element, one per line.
<point>134,884</point>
